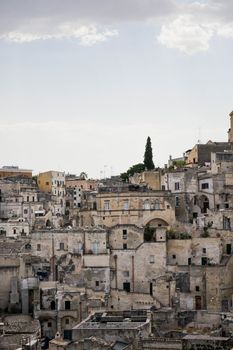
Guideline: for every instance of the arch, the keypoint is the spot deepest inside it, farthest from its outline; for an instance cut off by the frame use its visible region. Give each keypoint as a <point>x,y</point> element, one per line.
<point>157,222</point>
<point>204,203</point>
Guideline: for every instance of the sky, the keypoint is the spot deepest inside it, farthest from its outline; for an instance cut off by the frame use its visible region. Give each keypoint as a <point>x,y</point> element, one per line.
<point>83,83</point>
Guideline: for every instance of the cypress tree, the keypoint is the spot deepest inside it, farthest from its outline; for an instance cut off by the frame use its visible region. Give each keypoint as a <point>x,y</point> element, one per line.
<point>148,156</point>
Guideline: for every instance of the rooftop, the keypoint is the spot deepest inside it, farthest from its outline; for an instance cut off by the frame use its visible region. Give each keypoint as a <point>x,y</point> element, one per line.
<point>114,320</point>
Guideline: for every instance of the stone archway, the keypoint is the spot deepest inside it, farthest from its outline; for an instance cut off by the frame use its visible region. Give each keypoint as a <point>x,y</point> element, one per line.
<point>157,222</point>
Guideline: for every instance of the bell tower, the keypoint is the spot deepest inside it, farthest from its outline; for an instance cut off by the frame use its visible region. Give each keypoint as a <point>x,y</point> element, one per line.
<point>230,131</point>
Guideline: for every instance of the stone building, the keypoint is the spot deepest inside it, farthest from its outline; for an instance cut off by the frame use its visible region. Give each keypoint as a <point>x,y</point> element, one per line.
<point>7,171</point>
<point>133,205</point>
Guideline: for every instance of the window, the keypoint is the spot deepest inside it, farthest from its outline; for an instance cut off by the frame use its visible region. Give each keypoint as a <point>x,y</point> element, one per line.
<point>47,183</point>
<point>189,261</point>
<point>27,198</point>
<point>25,211</point>
<point>197,289</point>
<point>124,246</point>
<point>204,250</point>
<point>204,185</point>
<point>163,187</point>
<point>124,234</point>
<point>146,205</point>
<point>126,273</point>
<point>14,230</point>
<point>174,256</point>
<point>226,205</point>
<point>95,247</point>
<point>126,205</point>
<point>151,259</point>
<point>38,247</point>
<point>67,321</point>
<point>33,199</point>
<point>49,324</point>
<point>67,305</point>
<point>106,205</point>
<point>61,246</point>
<point>53,305</point>
<point>177,201</point>
<point>217,206</point>
<point>177,186</point>
<point>204,261</point>
<point>226,223</point>
<point>97,283</point>
<point>157,204</point>
<point>126,287</point>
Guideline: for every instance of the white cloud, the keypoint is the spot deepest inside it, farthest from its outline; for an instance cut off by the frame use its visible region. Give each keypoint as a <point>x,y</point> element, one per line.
<point>185,25</point>
<point>87,35</point>
<point>226,31</point>
<point>185,34</point>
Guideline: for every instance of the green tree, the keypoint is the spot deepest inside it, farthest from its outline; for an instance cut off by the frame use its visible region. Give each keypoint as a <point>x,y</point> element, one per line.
<point>136,168</point>
<point>148,155</point>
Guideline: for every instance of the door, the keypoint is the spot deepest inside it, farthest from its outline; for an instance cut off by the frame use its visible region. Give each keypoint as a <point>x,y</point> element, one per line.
<point>198,302</point>
<point>151,288</point>
<point>228,249</point>
<point>126,287</point>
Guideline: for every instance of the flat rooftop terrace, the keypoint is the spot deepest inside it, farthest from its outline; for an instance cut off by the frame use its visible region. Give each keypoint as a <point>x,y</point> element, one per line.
<point>114,320</point>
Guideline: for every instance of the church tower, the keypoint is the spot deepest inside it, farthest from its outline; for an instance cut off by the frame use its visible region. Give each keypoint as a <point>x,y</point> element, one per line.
<point>230,131</point>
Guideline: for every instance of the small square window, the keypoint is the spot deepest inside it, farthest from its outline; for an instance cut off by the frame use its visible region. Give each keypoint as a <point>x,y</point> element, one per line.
<point>126,273</point>
<point>152,259</point>
<point>204,186</point>
<point>174,256</point>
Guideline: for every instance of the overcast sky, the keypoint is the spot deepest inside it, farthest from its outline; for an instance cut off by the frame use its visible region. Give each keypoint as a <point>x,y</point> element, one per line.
<point>84,82</point>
